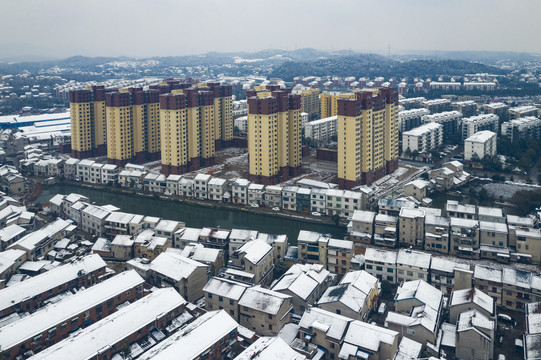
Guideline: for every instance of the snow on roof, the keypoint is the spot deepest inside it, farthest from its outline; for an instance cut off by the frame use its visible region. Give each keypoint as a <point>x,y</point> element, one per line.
<point>49,280</point>
<point>216,181</point>
<point>88,343</point>
<point>191,341</point>
<point>102,244</point>
<point>493,227</point>
<point>481,136</point>
<point>528,232</point>
<point>227,288</point>
<point>340,244</point>
<point>532,346</point>
<point>367,336</point>
<point>418,183</point>
<point>270,348</point>
<point>464,223</point>
<point>412,213</point>
<point>335,325</point>
<point>379,255</point>
<point>436,220</point>
<point>487,273</point>
<point>167,226</point>
<point>413,258</point>
<point>241,182</point>
<point>9,257</point>
<point>473,319</point>
<point>520,221</point>
<point>347,294</point>
<point>445,265</point>
<point>453,205</point>
<point>123,240</point>
<point>420,290</point>
<point>215,233</point>
<point>308,236</point>
<point>120,217</point>
<point>242,234</point>
<point>73,305</point>
<point>11,231</point>
<point>423,129</point>
<point>30,241</point>
<point>255,250</point>
<point>408,349</point>
<point>190,234</point>
<point>361,280</point>
<point>515,277</point>
<point>386,218</point>
<point>297,282</point>
<point>256,187</point>
<point>473,295</point>
<point>174,266</point>
<point>363,216</point>
<point>97,212</point>
<point>260,299</point>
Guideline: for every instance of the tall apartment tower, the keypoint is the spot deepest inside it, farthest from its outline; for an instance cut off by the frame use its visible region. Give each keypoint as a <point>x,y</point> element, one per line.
<point>309,101</point>
<point>274,134</point>
<point>88,128</point>
<point>329,102</point>
<point>133,132</point>
<point>367,136</point>
<point>194,122</point>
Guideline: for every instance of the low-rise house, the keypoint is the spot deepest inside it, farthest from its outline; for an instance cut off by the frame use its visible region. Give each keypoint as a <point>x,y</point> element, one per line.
<point>155,182</point>
<point>392,207</point>
<point>369,342</point>
<point>339,255</point>
<point>186,236</point>
<point>239,190</point>
<point>381,264</point>
<point>492,233</point>
<point>172,184</point>
<point>279,244</point>
<point>209,336</point>
<point>344,202</point>
<point>10,260</point>
<point>289,197</point>
<point>303,200</point>
<point>148,246</point>
<point>215,238</point>
<point>412,265</point>
<point>213,258</point>
<point>83,170</point>
<point>216,189</point>
<point>305,284</point>
<point>323,329</point>
<point>464,240</point>
<point>312,247</point>
<point>273,196</point>
<point>318,200</point>
<point>448,275</point>
<point>467,299</point>
<point>10,234</point>
<point>532,333</point>
<point>109,174</point>
<point>239,237</point>
<point>514,222</point>
<point>255,257</point>
<point>200,186</point>
<point>270,348</point>
<point>29,295</point>
<point>411,227</point>
<point>475,336</point>
<point>361,227</point>
<point>385,230</point>
<point>102,247</point>
<point>120,223</point>
<point>489,280</point>
<point>417,188</point>
<point>95,173</point>
<point>443,178</point>
<point>167,228</point>
<point>516,288</point>
<point>187,276</point>
<point>222,293</point>
<point>127,325</point>
<point>70,168</point>
<point>45,328</point>
<point>122,247</point>
<point>455,210</point>
<point>490,214</point>
<point>528,244</point>
<point>255,194</point>
<point>93,219</point>
<point>437,233</point>
<point>264,311</point>
<point>418,308</point>
<point>186,187</point>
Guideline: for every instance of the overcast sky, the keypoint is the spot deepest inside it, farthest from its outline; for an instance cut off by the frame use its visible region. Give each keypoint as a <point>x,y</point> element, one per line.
<point>61,28</point>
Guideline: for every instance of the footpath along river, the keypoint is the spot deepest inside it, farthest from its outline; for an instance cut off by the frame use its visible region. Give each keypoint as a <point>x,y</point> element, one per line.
<point>195,215</point>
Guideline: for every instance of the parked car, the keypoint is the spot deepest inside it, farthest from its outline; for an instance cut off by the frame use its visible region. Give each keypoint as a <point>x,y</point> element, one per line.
<point>315,213</point>
<point>382,308</point>
<point>506,319</point>
<point>276,208</point>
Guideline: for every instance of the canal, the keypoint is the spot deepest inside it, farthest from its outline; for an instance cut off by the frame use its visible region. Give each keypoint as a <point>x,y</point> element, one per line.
<point>193,215</point>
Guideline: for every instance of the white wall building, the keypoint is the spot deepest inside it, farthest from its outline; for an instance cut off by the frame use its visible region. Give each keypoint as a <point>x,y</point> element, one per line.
<point>423,139</point>
<point>481,143</point>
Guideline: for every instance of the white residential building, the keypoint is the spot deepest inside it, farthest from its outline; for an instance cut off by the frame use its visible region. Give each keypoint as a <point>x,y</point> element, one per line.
<point>201,185</point>
<point>479,145</point>
<point>216,189</point>
<point>423,139</point>
<point>410,119</point>
<point>322,129</point>
<point>478,123</point>
<point>522,128</point>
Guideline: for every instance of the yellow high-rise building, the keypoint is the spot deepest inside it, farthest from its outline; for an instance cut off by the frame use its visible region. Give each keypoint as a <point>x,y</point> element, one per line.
<point>310,103</point>
<point>367,136</point>
<point>120,144</point>
<point>329,102</point>
<point>207,124</point>
<point>88,128</point>
<point>274,134</point>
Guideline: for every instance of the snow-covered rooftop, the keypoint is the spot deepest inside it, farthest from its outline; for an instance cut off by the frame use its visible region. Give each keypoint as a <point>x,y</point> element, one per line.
<point>264,300</point>
<point>476,296</point>
<point>229,289</point>
<point>174,266</point>
<point>413,258</point>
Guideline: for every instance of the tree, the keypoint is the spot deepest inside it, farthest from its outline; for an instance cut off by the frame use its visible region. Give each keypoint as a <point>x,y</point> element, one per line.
<point>336,219</point>
<point>280,268</point>
<point>125,350</point>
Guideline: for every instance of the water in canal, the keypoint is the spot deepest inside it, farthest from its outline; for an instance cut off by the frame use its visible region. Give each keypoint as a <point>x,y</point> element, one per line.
<point>193,215</point>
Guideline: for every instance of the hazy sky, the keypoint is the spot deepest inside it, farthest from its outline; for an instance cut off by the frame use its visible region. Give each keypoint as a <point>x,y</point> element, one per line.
<point>63,28</point>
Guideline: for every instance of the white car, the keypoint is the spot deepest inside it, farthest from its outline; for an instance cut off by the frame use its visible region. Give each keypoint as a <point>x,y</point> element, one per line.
<point>276,208</point>
<point>315,213</point>
<point>254,205</point>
